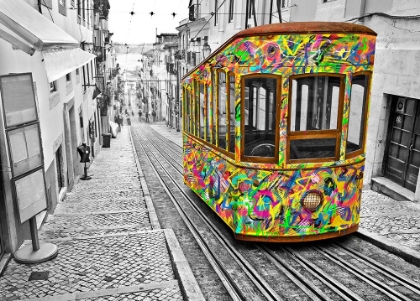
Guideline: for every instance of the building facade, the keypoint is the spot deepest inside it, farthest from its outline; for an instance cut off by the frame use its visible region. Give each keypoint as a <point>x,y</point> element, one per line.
<point>51,63</point>
<point>393,143</point>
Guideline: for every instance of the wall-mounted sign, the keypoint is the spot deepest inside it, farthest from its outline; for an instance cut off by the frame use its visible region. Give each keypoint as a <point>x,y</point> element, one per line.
<point>30,195</point>
<point>18,99</point>
<point>25,149</point>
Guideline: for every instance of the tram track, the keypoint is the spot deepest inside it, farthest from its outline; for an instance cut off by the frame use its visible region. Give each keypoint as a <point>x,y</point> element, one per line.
<point>235,290</point>
<point>303,272</point>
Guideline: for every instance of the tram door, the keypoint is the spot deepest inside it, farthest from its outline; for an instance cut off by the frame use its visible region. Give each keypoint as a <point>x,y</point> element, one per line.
<point>403,155</point>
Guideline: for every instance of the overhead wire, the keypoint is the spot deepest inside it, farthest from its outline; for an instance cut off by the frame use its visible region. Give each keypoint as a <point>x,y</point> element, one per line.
<point>212,15</point>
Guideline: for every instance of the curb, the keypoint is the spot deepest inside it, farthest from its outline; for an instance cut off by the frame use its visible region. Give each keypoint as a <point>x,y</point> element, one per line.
<point>154,221</point>
<point>404,252</point>
<point>189,286</point>
<point>4,262</point>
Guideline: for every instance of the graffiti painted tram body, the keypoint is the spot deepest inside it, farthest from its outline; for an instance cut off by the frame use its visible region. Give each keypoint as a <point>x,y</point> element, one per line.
<point>274,129</point>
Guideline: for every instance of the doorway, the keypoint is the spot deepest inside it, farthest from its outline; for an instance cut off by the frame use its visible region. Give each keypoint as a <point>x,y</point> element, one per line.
<point>402,157</point>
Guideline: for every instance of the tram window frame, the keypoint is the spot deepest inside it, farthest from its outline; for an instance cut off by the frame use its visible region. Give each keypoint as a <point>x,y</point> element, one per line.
<point>277,92</point>
<point>216,112</point>
<point>201,110</point>
<point>187,106</point>
<point>231,138</point>
<point>215,122</point>
<point>315,134</point>
<point>220,86</point>
<point>207,115</point>
<point>196,109</point>
<point>362,129</point>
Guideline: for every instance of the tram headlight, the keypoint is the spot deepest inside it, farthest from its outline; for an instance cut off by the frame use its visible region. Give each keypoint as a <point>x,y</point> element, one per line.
<point>312,200</point>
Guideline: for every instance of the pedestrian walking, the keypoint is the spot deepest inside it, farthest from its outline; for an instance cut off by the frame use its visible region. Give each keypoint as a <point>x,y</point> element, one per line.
<point>154,115</point>
<point>140,113</point>
<point>147,116</point>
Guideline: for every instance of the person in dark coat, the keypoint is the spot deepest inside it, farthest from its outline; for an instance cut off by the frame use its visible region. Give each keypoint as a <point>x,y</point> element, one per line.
<point>147,116</point>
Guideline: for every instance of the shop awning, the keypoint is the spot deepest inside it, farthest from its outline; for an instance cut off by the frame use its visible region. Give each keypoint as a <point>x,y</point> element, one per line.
<point>25,23</point>
<point>59,62</point>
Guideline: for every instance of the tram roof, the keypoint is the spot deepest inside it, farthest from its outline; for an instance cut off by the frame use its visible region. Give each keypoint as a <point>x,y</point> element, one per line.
<point>293,27</point>
<point>305,27</point>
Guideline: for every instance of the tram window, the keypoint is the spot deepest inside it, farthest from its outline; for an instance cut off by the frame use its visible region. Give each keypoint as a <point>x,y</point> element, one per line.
<point>312,148</point>
<point>196,109</point>
<point>222,96</point>
<point>214,91</point>
<point>357,113</point>
<point>208,115</point>
<point>188,109</point>
<point>259,114</point>
<point>232,120</point>
<point>314,104</point>
<point>200,108</point>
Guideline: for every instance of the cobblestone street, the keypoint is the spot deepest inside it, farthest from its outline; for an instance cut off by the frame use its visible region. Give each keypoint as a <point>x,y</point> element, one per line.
<point>108,247</point>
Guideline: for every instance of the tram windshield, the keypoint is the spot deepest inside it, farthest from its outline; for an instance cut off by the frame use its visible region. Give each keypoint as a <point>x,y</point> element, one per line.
<point>314,107</point>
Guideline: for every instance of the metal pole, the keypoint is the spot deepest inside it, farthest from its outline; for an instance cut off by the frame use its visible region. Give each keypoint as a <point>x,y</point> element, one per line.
<point>34,233</point>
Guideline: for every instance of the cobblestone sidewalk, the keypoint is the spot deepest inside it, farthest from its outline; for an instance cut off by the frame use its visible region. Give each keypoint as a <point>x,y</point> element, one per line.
<point>392,224</point>
<point>108,246</point>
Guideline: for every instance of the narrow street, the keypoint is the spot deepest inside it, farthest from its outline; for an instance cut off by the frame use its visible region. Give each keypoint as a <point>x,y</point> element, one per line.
<point>111,245</point>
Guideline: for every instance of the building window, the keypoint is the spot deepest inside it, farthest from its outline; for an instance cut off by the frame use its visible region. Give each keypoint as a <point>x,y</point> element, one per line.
<point>231,7</point>
<point>325,1</point>
<point>284,3</point>
<point>62,7</point>
<point>83,10</point>
<point>84,79</point>
<point>68,77</point>
<point>53,87</point>
<point>79,7</point>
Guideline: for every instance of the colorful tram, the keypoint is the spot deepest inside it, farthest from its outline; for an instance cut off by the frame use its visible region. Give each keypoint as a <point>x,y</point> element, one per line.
<point>274,129</point>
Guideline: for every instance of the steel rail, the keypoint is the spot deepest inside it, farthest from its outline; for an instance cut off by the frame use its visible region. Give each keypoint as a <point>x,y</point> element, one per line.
<point>264,288</point>
<point>391,293</point>
<point>379,267</point>
<point>225,278</point>
<point>338,287</point>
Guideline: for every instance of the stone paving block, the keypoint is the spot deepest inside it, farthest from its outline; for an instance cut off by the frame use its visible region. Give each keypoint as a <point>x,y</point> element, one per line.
<point>68,222</point>
<point>77,233</point>
<point>112,174</point>
<point>106,186</point>
<point>90,205</point>
<point>380,208</point>
<point>172,293</point>
<point>101,183</point>
<point>93,264</point>
<point>87,196</point>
